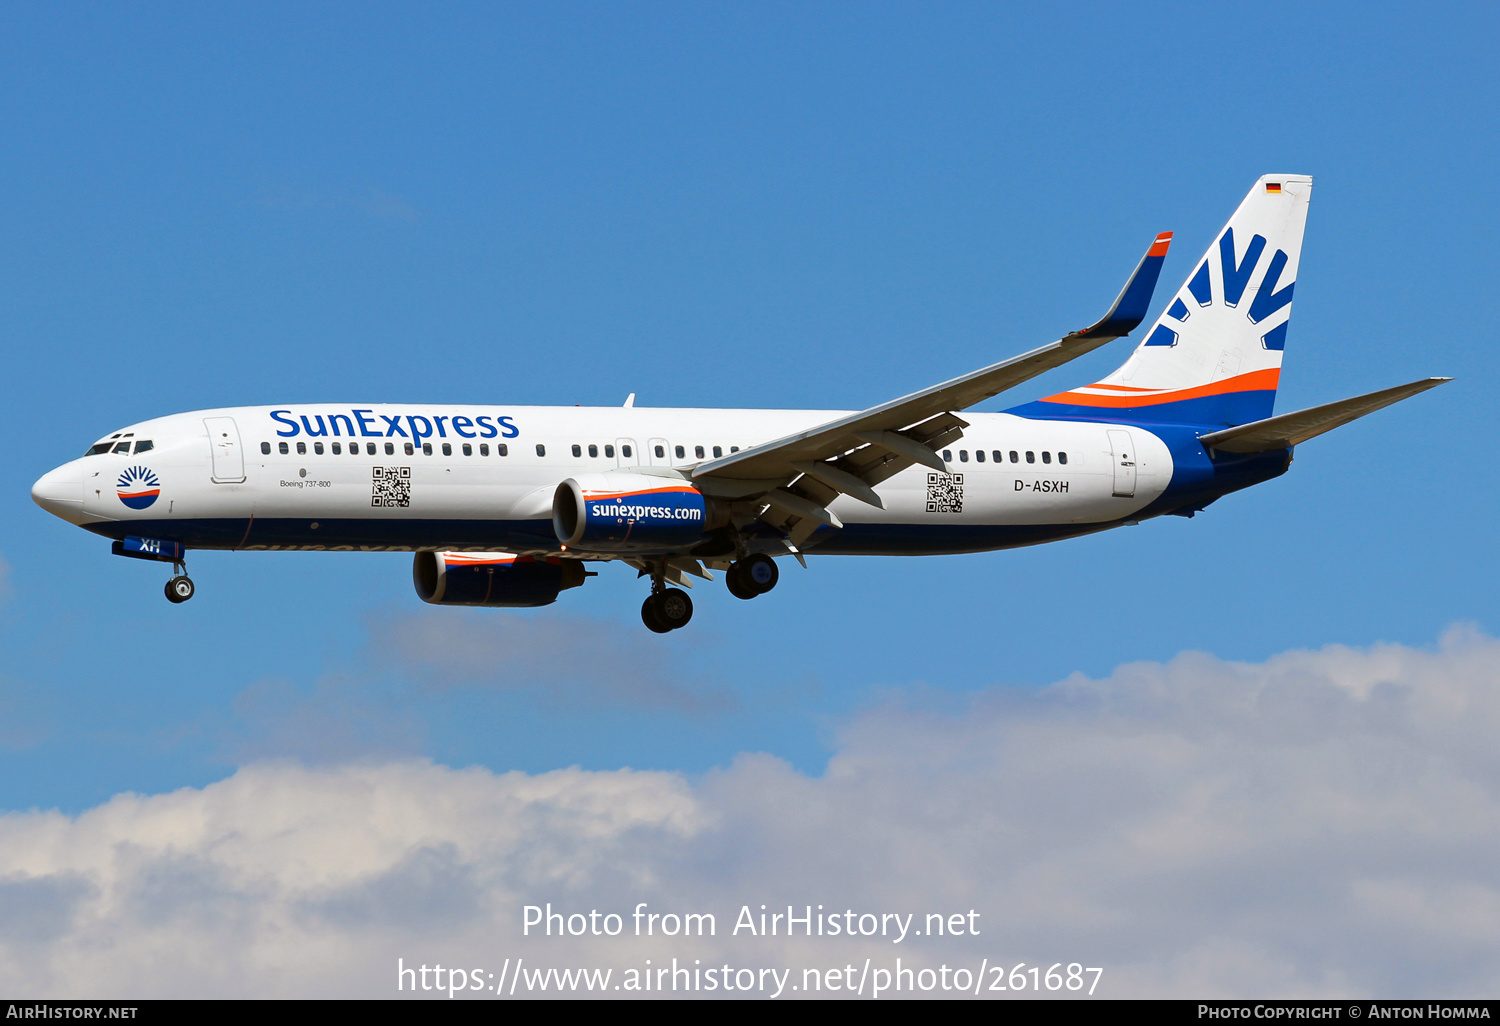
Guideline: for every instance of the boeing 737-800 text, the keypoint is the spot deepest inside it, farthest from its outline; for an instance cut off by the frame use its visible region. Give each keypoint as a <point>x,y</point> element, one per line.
<point>507,505</point>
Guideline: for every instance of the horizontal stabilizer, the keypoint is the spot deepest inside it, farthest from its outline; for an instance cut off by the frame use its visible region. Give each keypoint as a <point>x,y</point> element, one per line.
<point>1290,429</point>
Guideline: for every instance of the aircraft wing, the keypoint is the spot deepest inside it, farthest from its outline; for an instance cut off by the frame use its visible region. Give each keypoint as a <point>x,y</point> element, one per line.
<point>852,453</point>
<point>1290,429</point>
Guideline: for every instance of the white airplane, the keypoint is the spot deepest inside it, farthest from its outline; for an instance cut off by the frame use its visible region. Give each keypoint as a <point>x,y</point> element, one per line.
<point>507,505</point>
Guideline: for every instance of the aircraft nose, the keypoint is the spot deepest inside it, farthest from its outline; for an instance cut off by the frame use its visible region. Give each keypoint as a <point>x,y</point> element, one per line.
<point>60,492</point>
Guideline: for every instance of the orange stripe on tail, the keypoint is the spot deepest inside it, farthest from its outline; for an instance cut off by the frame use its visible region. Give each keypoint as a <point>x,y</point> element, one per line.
<point>1255,381</point>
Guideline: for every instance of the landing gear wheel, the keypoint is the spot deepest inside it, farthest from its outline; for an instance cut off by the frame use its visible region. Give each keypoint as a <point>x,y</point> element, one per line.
<point>734,578</point>
<point>180,589</point>
<point>667,610</point>
<point>649,617</point>
<point>760,573</point>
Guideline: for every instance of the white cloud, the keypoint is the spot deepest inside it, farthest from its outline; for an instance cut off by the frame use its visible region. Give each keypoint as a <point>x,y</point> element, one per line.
<point>1322,823</point>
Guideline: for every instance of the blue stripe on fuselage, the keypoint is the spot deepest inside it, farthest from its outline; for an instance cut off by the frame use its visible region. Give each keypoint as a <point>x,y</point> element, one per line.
<point>513,535</point>
<point>1198,477</point>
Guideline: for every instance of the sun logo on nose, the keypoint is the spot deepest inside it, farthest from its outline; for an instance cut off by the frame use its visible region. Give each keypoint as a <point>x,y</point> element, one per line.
<point>138,487</point>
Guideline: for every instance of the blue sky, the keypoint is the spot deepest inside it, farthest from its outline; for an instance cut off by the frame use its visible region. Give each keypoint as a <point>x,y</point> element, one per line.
<point>754,205</point>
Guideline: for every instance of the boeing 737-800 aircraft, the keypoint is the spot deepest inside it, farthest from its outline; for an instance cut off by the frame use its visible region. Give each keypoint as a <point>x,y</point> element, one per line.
<point>507,505</point>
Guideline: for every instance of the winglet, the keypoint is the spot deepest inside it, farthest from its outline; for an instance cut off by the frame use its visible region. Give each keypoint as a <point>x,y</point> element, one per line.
<point>1135,298</point>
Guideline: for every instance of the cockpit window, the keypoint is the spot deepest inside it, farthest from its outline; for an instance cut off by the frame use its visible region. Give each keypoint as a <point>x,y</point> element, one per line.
<point>122,447</point>
<point>143,445</point>
<point>95,450</point>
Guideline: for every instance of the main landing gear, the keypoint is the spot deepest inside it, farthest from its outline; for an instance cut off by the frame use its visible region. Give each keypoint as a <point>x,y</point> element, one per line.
<point>180,588</point>
<point>752,576</point>
<point>667,610</point>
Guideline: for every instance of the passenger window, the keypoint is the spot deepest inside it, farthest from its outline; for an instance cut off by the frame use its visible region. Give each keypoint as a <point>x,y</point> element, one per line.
<point>1030,456</point>
<point>1014,456</point>
<point>370,448</point>
<point>501,449</point>
<point>593,452</point>
<point>390,448</point>
<point>484,448</point>
<point>468,449</point>
<point>625,451</point>
<point>734,448</point>
<point>947,455</point>
<point>660,452</point>
<point>1046,456</point>
<point>353,448</point>
<point>141,447</point>
<point>317,448</point>
<point>718,451</point>
<point>680,452</point>
<point>265,449</point>
<point>577,450</point>
<point>1062,458</point>
<point>426,448</point>
<point>963,455</point>
<point>301,448</point>
<point>541,450</point>
<point>338,450</point>
<point>609,451</point>
<point>998,456</point>
<point>447,448</point>
<point>408,449</point>
<point>283,448</point>
<point>125,447</point>
<point>698,451</point>
<point>978,455</point>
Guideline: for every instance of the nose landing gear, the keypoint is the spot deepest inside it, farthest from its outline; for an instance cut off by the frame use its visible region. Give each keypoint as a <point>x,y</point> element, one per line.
<point>180,588</point>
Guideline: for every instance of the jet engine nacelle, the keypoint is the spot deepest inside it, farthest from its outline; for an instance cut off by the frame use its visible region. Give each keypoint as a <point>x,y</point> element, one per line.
<point>492,578</point>
<point>628,512</point>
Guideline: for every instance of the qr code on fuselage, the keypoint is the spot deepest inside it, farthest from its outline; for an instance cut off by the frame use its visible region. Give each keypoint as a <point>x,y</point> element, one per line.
<point>390,486</point>
<point>945,493</point>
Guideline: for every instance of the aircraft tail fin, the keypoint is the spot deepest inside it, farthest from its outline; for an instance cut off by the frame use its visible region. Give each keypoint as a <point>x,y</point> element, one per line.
<point>1214,356</point>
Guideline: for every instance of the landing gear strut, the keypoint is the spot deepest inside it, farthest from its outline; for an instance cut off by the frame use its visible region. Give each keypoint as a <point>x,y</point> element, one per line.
<point>752,576</point>
<point>180,588</point>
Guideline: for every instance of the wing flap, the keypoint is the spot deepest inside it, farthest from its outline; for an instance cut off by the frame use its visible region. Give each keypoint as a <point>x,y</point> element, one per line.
<point>1291,429</point>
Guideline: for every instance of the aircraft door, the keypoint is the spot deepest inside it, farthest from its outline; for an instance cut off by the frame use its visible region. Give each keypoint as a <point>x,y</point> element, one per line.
<point>659,453</point>
<point>1123,451</point>
<point>626,454</point>
<point>224,442</point>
